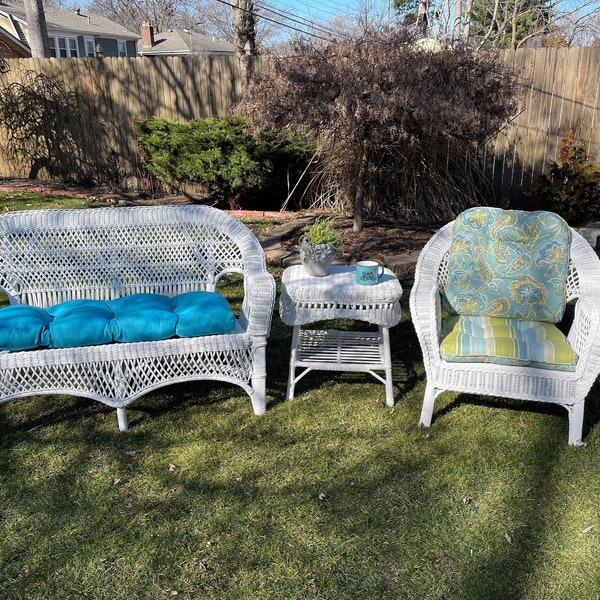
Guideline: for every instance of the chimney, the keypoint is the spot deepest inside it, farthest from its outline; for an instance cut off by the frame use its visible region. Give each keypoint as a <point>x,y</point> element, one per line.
<point>147,32</point>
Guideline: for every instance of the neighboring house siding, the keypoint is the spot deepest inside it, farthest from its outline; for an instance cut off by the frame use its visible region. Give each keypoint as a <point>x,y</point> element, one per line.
<point>72,33</point>
<point>84,46</point>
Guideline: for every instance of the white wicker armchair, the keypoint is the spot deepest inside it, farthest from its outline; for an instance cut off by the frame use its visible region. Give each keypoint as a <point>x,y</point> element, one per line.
<point>568,389</point>
<point>53,256</point>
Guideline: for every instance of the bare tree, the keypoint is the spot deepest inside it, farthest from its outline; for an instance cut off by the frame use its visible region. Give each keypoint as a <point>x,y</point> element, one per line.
<point>244,26</point>
<point>162,14</point>
<point>38,30</point>
<point>508,23</point>
<point>393,124</point>
<point>215,18</point>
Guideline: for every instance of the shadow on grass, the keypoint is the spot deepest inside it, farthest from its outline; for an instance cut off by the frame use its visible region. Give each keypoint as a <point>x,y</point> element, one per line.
<point>327,496</point>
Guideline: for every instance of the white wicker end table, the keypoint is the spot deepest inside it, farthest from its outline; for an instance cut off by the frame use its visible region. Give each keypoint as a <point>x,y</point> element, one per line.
<point>306,299</point>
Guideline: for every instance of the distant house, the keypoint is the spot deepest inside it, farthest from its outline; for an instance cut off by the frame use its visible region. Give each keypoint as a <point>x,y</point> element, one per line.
<point>180,41</point>
<point>10,45</point>
<point>71,33</point>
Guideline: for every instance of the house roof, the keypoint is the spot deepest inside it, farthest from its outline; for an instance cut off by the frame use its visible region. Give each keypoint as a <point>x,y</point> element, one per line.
<point>75,22</point>
<point>10,46</point>
<point>184,41</point>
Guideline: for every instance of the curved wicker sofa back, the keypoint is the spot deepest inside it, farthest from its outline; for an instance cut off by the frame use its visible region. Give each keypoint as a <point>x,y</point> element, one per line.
<point>52,256</point>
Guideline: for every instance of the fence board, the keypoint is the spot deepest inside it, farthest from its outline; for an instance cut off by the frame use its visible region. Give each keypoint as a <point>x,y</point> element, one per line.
<point>560,91</point>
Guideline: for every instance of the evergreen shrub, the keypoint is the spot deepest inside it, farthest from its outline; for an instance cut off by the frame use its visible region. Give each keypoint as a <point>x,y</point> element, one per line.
<point>221,154</point>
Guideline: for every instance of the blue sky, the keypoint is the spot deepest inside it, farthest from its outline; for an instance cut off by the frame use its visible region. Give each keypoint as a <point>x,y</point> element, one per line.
<point>301,13</point>
<point>323,9</point>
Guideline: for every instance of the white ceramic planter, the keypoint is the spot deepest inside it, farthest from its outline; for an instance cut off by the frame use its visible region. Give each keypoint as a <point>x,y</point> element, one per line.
<point>317,258</point>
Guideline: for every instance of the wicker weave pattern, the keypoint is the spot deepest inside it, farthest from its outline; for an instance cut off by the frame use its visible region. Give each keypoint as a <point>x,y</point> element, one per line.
<point>567,389</point>
<point>306,299</point>
<point>47,257</point>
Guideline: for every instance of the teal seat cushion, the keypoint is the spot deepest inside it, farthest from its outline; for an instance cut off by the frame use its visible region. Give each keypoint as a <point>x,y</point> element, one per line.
<point>80,323</point>
<point>143,318</point>
<point>507,342</point>
<point>202,313</point>
<point>508,263</point>
<point>135,318</point>
<point>23,327</point>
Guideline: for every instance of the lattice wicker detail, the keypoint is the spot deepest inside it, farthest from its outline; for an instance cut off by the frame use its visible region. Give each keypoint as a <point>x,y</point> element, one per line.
<point>52,256</point>
<point>120,381</point>
<point>568,389</point>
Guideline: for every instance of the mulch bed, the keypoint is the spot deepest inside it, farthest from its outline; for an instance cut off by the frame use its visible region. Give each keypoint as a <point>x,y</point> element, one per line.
<point>377,240</point>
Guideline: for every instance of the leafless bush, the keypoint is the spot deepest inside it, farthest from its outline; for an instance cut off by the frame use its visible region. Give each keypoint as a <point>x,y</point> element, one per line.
<point>397,128</point>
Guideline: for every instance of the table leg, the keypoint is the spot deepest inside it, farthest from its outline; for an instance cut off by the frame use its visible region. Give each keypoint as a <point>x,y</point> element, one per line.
<point>293,358</point>
<point>386,356</point>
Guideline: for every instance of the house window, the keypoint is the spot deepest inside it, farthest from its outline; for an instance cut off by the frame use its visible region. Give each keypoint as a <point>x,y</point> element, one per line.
<point>122,45</point>
<point>63,47</point>
<point>90,46</point>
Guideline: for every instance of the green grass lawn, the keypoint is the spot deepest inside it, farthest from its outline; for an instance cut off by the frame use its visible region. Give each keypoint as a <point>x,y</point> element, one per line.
<point>332,495</point>
<point>36,200</point>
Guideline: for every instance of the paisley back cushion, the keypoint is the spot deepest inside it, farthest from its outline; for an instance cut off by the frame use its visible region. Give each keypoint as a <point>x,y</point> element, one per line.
<point>508,263</point>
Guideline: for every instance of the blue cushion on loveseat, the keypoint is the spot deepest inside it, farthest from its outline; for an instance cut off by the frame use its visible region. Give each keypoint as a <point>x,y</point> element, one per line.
<point>23,327</point>
<point>143,318</point>
<point>202,313</point>
<point>135,318</point>
<point>80,323</point>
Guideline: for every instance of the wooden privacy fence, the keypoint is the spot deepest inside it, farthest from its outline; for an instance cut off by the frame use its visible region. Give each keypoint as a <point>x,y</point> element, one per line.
<point>109,95</point>
<point>560,91</point>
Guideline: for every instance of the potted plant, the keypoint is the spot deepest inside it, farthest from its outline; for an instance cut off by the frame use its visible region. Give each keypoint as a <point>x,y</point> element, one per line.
<point>319,246</point>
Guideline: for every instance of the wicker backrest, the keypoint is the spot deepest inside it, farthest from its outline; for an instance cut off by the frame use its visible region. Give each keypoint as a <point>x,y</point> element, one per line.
<point>50,256</point>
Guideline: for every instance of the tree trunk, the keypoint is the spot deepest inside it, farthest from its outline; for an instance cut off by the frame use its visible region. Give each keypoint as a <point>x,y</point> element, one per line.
<point>244,30</point>
<point>467,28</point>
<point>38,31</point>
<point>359,195</point>
<point>457,20</point>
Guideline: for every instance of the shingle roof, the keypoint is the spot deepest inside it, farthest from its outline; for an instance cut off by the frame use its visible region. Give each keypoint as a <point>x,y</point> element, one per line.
<point>182,41</point>
<point>73,21</point>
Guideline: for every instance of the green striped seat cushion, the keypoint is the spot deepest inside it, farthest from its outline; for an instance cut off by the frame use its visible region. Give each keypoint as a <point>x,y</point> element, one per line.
<point>506,342</point>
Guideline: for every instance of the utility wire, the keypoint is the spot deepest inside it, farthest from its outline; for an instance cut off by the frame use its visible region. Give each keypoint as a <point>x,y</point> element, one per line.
<point>227,3</point>
<point>299,20</point>
<point>315,8</point>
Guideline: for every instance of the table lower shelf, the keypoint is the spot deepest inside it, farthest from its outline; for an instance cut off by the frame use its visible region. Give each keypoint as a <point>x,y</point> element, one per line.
<point>339,350</point>
<point>335,350</point>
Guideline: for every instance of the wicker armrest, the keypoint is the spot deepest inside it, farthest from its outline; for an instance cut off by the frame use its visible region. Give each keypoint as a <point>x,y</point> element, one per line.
<point>426,308</point>
<point>585,332</point>
<point>258,304</point>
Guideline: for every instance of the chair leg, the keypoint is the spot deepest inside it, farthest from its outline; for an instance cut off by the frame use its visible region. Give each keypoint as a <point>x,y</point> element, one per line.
<point>428,401</point>
<point>122,419</point>
<point>259,382</point>
<point>576,423</point>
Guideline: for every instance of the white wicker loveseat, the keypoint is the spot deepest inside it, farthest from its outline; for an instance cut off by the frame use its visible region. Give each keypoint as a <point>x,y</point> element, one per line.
<point>566,388</point>
<point>49,257</point>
